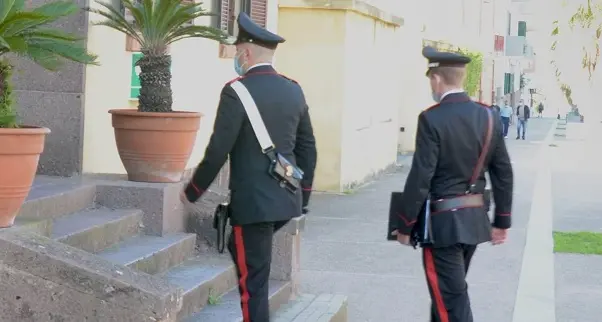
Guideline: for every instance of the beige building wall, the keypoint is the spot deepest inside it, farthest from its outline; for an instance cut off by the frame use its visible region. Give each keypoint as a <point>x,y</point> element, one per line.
<point>198,77</point>
<point>348,58</point>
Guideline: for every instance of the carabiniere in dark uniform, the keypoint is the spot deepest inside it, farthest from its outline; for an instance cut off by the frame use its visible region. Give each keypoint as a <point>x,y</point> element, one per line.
<point>259,204</point>
<point>451,139</point>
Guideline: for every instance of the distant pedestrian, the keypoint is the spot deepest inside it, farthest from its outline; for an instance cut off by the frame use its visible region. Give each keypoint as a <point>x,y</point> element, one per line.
<point>522,114</point>
<point>506,114</point>
<point>540,110</point>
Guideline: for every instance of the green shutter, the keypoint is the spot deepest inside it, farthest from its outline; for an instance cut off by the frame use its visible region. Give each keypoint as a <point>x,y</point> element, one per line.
<point>134,79</point>
<point>506,83</point>
<point>522,28</point>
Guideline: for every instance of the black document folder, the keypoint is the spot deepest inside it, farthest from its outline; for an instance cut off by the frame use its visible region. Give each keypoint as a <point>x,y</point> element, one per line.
<point>394,211</point>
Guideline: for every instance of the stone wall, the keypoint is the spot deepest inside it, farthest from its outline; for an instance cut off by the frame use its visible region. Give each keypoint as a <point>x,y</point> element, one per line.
<point>55,100</point>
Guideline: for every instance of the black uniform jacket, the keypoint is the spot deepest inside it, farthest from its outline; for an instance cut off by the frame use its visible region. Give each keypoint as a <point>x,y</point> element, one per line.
<point>255,195</point>
<point>449,139</point>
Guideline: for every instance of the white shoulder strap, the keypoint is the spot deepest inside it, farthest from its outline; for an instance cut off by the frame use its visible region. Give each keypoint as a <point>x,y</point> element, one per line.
<point>254,117</point>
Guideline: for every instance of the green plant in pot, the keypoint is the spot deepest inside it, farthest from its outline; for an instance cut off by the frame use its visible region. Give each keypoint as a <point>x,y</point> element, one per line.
<point>155,142</point>
<point>27,33</point>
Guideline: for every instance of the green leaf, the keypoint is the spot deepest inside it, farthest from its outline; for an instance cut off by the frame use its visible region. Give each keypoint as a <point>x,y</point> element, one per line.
<point>8,121</point>
<point>17,44</point>
<point>4,44</point>
<point>17,6</point>
<point>47,33</point>
<point>6,6</point>
<point>57,9</point>
<point>555,31</point>
<point>21,21</point>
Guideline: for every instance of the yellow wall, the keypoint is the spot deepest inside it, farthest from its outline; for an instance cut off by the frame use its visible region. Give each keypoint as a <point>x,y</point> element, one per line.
<point>372,87</point>
<point>319,67</point>
<point>198,77</point>
<point>351,71</point>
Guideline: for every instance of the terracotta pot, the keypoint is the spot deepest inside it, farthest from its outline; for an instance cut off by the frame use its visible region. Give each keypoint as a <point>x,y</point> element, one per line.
<point>155,147</point>
<point>20,151</point>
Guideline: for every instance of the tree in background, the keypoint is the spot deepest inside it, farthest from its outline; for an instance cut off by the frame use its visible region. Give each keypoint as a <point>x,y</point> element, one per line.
<point>582,32</point>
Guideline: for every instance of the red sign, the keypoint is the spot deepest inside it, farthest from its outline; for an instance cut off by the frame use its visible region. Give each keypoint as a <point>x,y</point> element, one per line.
<point>498,45</point>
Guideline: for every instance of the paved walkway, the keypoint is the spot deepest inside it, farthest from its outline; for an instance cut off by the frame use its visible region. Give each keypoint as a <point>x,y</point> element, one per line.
<point>343,250</point>
<point>576,176</point>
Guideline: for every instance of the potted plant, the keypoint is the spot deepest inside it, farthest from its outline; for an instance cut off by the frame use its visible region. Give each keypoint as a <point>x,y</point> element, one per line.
<point>155,142</point>
<point>27,33</point>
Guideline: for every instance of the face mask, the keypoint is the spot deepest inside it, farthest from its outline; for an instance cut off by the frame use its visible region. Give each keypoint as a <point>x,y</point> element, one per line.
<point>436,97</point>
<point>238,67</point>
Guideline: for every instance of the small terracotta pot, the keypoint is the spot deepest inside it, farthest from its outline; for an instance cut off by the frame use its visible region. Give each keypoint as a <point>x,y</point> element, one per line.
<point>155,147</point>
<point>20,151</point>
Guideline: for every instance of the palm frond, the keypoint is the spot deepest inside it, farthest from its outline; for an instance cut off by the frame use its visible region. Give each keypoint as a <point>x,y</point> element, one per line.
<point>158,23</point>
<point>21,21</point>
<point>6,7</point>
<point>116,16</point>
<point>57,9</point>
<point>197,32</point>
<point>28,34</point>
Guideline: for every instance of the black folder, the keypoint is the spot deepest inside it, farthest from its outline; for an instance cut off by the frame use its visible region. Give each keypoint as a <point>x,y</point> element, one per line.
<point>394,211</point>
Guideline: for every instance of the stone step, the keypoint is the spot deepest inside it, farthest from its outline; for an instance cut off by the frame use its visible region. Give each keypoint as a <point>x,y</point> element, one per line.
<point>313,308</point>
<point>202,278</point>
<point>53,197</point>
<point>152,254</point>
<point>93,230</point>
<point>227,308</point>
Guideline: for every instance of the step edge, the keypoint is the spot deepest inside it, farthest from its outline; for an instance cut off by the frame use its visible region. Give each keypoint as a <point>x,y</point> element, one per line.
<point>186,290</point>
<point>185,238</point>
<point>127,213</point>
<point>337,301</point>
<point>286,287</point>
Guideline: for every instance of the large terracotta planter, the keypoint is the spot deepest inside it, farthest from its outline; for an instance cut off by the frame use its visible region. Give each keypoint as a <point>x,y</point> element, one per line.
<point>20,151</point>
<point>155,147</point>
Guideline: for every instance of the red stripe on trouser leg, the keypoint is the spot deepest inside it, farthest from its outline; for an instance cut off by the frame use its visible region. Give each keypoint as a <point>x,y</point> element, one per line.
<point>241,262</point>
<point>431,276</point>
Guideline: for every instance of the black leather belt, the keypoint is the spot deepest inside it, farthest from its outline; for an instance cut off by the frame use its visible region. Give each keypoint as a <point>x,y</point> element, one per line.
<point>466,201</point>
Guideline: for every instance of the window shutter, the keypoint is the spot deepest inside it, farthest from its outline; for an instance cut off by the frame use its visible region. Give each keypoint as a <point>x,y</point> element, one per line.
<point>522,28</point>
<point>226,17</point>
<point>259,9</point>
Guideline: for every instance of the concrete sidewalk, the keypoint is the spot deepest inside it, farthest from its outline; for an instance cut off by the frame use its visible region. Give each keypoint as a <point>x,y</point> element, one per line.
<point>576,176</point>
<point>344,250</point>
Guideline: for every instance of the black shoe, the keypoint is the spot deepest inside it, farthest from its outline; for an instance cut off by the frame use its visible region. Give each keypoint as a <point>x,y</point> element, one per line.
<point>523,137</point>
<point>518,137</point>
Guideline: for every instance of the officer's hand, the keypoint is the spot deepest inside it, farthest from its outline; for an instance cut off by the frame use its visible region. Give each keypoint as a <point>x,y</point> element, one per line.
<point>401,238</point>
<point>304,210</point>
<point>190,207</point>
<point>498,236</point>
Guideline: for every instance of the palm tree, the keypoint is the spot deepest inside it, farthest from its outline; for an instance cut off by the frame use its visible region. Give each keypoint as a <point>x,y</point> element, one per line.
<point>27,33</point>
<point>155,25</point>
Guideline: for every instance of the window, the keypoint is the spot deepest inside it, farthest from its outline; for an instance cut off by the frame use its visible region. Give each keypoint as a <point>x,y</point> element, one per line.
<point>229,10</point>
<point>508,83</point>
<point>522,28</point>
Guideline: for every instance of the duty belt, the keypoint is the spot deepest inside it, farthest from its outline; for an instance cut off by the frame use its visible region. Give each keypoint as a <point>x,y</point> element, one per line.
<point>460,202</point>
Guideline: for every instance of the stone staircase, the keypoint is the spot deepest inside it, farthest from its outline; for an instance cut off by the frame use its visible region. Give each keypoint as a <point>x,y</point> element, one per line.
<point>80,259</point>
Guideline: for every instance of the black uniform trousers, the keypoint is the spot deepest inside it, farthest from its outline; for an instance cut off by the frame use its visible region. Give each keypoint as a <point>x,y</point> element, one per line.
<point>251,249</point>
<point>446,270</point>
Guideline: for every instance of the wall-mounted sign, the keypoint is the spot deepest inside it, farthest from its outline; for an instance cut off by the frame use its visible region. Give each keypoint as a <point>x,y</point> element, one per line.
<point>135,78</point>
